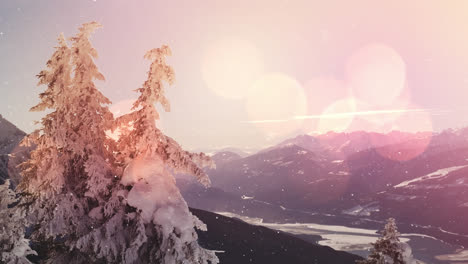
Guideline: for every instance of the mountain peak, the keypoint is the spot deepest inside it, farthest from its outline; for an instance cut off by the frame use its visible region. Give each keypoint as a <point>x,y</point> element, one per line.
<point>8,130</point>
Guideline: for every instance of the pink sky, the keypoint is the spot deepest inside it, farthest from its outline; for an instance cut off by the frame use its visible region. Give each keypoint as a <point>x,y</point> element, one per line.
<point>233,59</point>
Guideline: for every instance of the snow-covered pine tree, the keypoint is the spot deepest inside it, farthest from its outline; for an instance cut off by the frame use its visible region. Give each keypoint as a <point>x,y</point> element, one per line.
<point>44,172</point>
<point>50,207</point>
<point>13,246</point>
<point>150,158</point>
<point>90,117</point>
<point>388,249</point>
<point>69,173</point>
<point>82,207</point>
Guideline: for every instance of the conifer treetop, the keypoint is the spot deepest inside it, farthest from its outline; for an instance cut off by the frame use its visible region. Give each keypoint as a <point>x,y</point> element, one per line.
<point>153,89</point>
<point>390,231</point>
<point>387,249</point>
<point>57,77</point>
<point>145,138</point>
<point>81,42</point>
<point>51,136</point>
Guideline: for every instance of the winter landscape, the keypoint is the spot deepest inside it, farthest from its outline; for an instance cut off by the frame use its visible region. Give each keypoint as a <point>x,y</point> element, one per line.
<point>270,132</point>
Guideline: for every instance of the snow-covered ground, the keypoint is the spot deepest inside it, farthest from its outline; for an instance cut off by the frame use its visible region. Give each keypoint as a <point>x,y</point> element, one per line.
<point>434,175</point>
<point>337,161</point>
<point>337,237</point>
<point>365,210</point>
<point>339,173</point>
<point>459,255</point>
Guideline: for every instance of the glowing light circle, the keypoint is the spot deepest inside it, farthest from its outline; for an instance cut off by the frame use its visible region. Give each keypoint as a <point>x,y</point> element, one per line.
<point>338,116</point>
<point>321,92</point>
<point>274,101</point>
<point>393,111</point>
<point>376,74</point>
<point>229,67</point>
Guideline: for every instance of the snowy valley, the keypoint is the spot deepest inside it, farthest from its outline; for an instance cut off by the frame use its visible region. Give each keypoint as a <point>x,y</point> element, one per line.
<point>341,179</point>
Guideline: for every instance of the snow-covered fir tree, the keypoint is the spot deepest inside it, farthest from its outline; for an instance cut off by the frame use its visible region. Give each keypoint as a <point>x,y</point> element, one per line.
<point>44,171</point>
<point>388,249</point>
<point>150,159</point>
<point>52,210</point>
<point>91,200</point>
<point>70,172</point>
<point>13,246</point>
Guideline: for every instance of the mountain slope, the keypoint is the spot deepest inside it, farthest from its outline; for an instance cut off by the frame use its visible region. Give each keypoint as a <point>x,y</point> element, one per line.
<point>244,243</point>
<point>10,135</point>
<point>11,154</point>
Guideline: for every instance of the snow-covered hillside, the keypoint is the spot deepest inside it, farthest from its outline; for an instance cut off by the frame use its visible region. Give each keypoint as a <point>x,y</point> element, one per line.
<point>431,176</point>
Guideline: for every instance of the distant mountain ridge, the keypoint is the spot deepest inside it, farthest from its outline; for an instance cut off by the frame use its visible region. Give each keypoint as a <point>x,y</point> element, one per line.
<point>345,143</point>
<point>346,175</point>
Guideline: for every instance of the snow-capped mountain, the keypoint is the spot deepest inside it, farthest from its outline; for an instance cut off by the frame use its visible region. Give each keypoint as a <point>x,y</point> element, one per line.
<point>444,191</point>
<point>241,151</point>
<point>223,157</point>
<point>345,174</point>
<point>341,145</point>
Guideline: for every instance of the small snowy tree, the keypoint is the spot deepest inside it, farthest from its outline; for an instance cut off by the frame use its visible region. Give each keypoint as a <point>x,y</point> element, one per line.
<point>150,159</point>
<point>13,246</point>
<point>388,249</point>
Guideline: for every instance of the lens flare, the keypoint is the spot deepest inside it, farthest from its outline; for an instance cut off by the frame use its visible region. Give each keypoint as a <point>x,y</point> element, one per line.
<point>321,93</point>
<point>230,66</point>
<point>338,116</point>
<point>401,102</point>
<point>376,74</point>
<point>273,101</point>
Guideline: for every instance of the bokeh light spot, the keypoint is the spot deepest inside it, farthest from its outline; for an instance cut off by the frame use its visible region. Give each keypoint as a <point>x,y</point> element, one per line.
<point>338,116</point>
<point>321,93</point>
<point>376,74</point>
<point>273,101</point>
<point>230,66</point>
